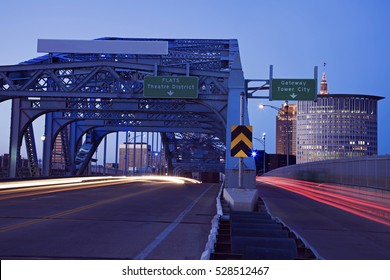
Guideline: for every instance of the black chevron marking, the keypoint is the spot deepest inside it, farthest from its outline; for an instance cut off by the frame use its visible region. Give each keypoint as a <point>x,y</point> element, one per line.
<point>241,146</point>
<point>241,129</point>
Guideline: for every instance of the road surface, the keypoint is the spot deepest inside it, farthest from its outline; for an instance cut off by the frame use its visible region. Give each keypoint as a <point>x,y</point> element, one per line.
<point>335,234</point>
<point>144,219</point>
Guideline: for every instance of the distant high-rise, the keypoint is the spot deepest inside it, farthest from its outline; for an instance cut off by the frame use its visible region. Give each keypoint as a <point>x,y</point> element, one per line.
<point>138,157</point>
<point>286,130</point>
<point>324,85</point>
<point>337,126</point>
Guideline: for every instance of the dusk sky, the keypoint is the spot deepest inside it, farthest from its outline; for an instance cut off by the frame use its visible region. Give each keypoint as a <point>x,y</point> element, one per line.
<point>351,36</point>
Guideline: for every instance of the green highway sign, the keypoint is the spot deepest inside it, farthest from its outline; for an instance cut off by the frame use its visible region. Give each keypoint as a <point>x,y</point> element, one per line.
<point>293,89</point>
<point>170,87</point>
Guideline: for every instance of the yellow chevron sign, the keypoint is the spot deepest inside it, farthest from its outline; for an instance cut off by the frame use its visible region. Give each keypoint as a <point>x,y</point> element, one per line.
<point>241,141</point>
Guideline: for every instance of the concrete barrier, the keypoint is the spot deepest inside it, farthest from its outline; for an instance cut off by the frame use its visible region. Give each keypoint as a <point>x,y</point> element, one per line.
<point>365,172</point>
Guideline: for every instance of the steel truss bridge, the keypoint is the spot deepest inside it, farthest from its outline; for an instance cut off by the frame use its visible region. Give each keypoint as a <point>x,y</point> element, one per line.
<point>85,97</point>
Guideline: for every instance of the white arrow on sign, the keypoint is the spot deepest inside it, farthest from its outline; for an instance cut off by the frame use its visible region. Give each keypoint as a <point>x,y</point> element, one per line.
<point>293,95</point>
<point>170,93</point>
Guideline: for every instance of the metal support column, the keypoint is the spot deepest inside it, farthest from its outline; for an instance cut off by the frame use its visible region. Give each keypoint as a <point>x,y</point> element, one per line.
<point>47,144</point>
<point>116,152</point>
<point>104,155</point>
<point>236,87</point>
<point>72,147</point>
<point>14,146</point>
<point>241,160</point>
<point>126,159</point>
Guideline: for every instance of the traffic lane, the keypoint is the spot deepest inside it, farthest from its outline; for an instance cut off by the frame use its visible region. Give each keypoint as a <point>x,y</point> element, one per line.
<point>47,204</point>
<point>114,230</point>
<point>333,233</point>
<point>189,238</point>
<point>55,233</point>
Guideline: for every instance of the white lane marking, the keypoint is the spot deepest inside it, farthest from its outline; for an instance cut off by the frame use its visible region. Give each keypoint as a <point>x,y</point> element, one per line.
<point>44,197</point>
<point>153,245</point>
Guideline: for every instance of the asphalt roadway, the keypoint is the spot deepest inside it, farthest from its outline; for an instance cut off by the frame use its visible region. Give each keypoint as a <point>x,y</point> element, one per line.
<point>333,233</point>
<point>134,220</point>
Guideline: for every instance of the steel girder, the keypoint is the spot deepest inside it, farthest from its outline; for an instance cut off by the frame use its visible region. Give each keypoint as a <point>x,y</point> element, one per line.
<point>163,117</point>
<point>95,82</point>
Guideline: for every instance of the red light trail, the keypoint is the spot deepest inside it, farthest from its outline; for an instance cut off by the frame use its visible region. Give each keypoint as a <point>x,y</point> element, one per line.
<point>364,203</point>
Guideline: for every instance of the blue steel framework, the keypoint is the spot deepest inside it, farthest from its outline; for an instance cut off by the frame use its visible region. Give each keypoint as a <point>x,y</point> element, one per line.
<point>87,96</point>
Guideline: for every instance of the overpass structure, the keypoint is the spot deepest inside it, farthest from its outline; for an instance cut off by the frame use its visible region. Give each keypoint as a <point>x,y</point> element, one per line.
<point>86,94</point>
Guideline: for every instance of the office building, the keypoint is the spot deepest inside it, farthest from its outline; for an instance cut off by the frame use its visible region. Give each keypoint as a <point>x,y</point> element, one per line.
<point>137,155</point>
<point>286,121</point>
<point>337,126</point>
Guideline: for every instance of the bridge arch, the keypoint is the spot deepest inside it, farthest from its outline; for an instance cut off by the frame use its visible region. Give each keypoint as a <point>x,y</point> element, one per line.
<point>96,85</point>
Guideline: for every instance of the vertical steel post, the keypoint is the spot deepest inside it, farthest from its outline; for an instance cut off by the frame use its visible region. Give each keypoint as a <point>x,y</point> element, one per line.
<point>104,155</point>
<point>271,73</point>
<point>264,154</point>
<point>287,135</point>
<point>14,147</point>
<point>141,153</point>
<point>316,82</point>
<point>152,155</point>
<point>126,160</point>
<point>241,160</point>
<point>47,144</point>
<point>134,150</point>
<point>72,147</point>
<point>158,158</point>
<point>147,153</point>
<point>116,152</point>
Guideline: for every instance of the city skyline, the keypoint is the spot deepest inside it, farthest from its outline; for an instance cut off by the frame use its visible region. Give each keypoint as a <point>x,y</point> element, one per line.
<point>293,36</point>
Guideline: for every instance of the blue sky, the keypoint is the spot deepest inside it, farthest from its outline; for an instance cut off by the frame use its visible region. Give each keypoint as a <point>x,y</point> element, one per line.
<point>351,36</point>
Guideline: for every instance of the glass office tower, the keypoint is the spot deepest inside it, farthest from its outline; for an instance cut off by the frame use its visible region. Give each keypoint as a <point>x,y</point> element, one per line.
<point>337,126</point>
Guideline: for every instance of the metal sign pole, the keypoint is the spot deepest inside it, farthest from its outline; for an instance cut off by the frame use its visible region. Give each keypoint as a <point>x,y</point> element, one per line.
<point>316,83</point>
<point>241,159</point>
<point>271,74</point>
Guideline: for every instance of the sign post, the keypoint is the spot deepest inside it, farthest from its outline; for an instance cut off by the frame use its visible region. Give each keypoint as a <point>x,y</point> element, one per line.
<point>241,141</point>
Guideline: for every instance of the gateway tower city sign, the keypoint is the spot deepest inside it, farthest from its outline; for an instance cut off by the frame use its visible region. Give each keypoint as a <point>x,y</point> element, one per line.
<point>293,89</point>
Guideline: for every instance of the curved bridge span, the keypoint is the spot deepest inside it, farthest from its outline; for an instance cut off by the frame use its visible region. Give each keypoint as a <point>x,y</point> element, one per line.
<point>87,89</point>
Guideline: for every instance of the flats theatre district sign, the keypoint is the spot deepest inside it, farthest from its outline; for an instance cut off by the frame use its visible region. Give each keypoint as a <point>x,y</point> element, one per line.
<point>170,87</point>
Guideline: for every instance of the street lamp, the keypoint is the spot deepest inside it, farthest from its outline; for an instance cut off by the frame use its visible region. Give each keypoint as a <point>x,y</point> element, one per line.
<point>43,138</point>
<point>262,106</point>
<point>264,152</point>
<point>262,141</point>
<point>285,105</point>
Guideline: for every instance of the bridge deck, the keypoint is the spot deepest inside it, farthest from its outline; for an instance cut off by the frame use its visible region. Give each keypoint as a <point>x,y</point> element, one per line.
<point>335,234</point>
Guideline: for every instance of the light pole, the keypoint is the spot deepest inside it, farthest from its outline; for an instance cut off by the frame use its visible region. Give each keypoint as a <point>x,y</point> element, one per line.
<point>43,138</point>
<point>264,152</point>
<point>287,132</point>
<point>126,160</point>
<point>285,105</point>
<point>262,141</point>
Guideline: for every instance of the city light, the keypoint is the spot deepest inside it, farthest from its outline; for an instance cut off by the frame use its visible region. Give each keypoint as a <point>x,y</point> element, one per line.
<point>17,189</point>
